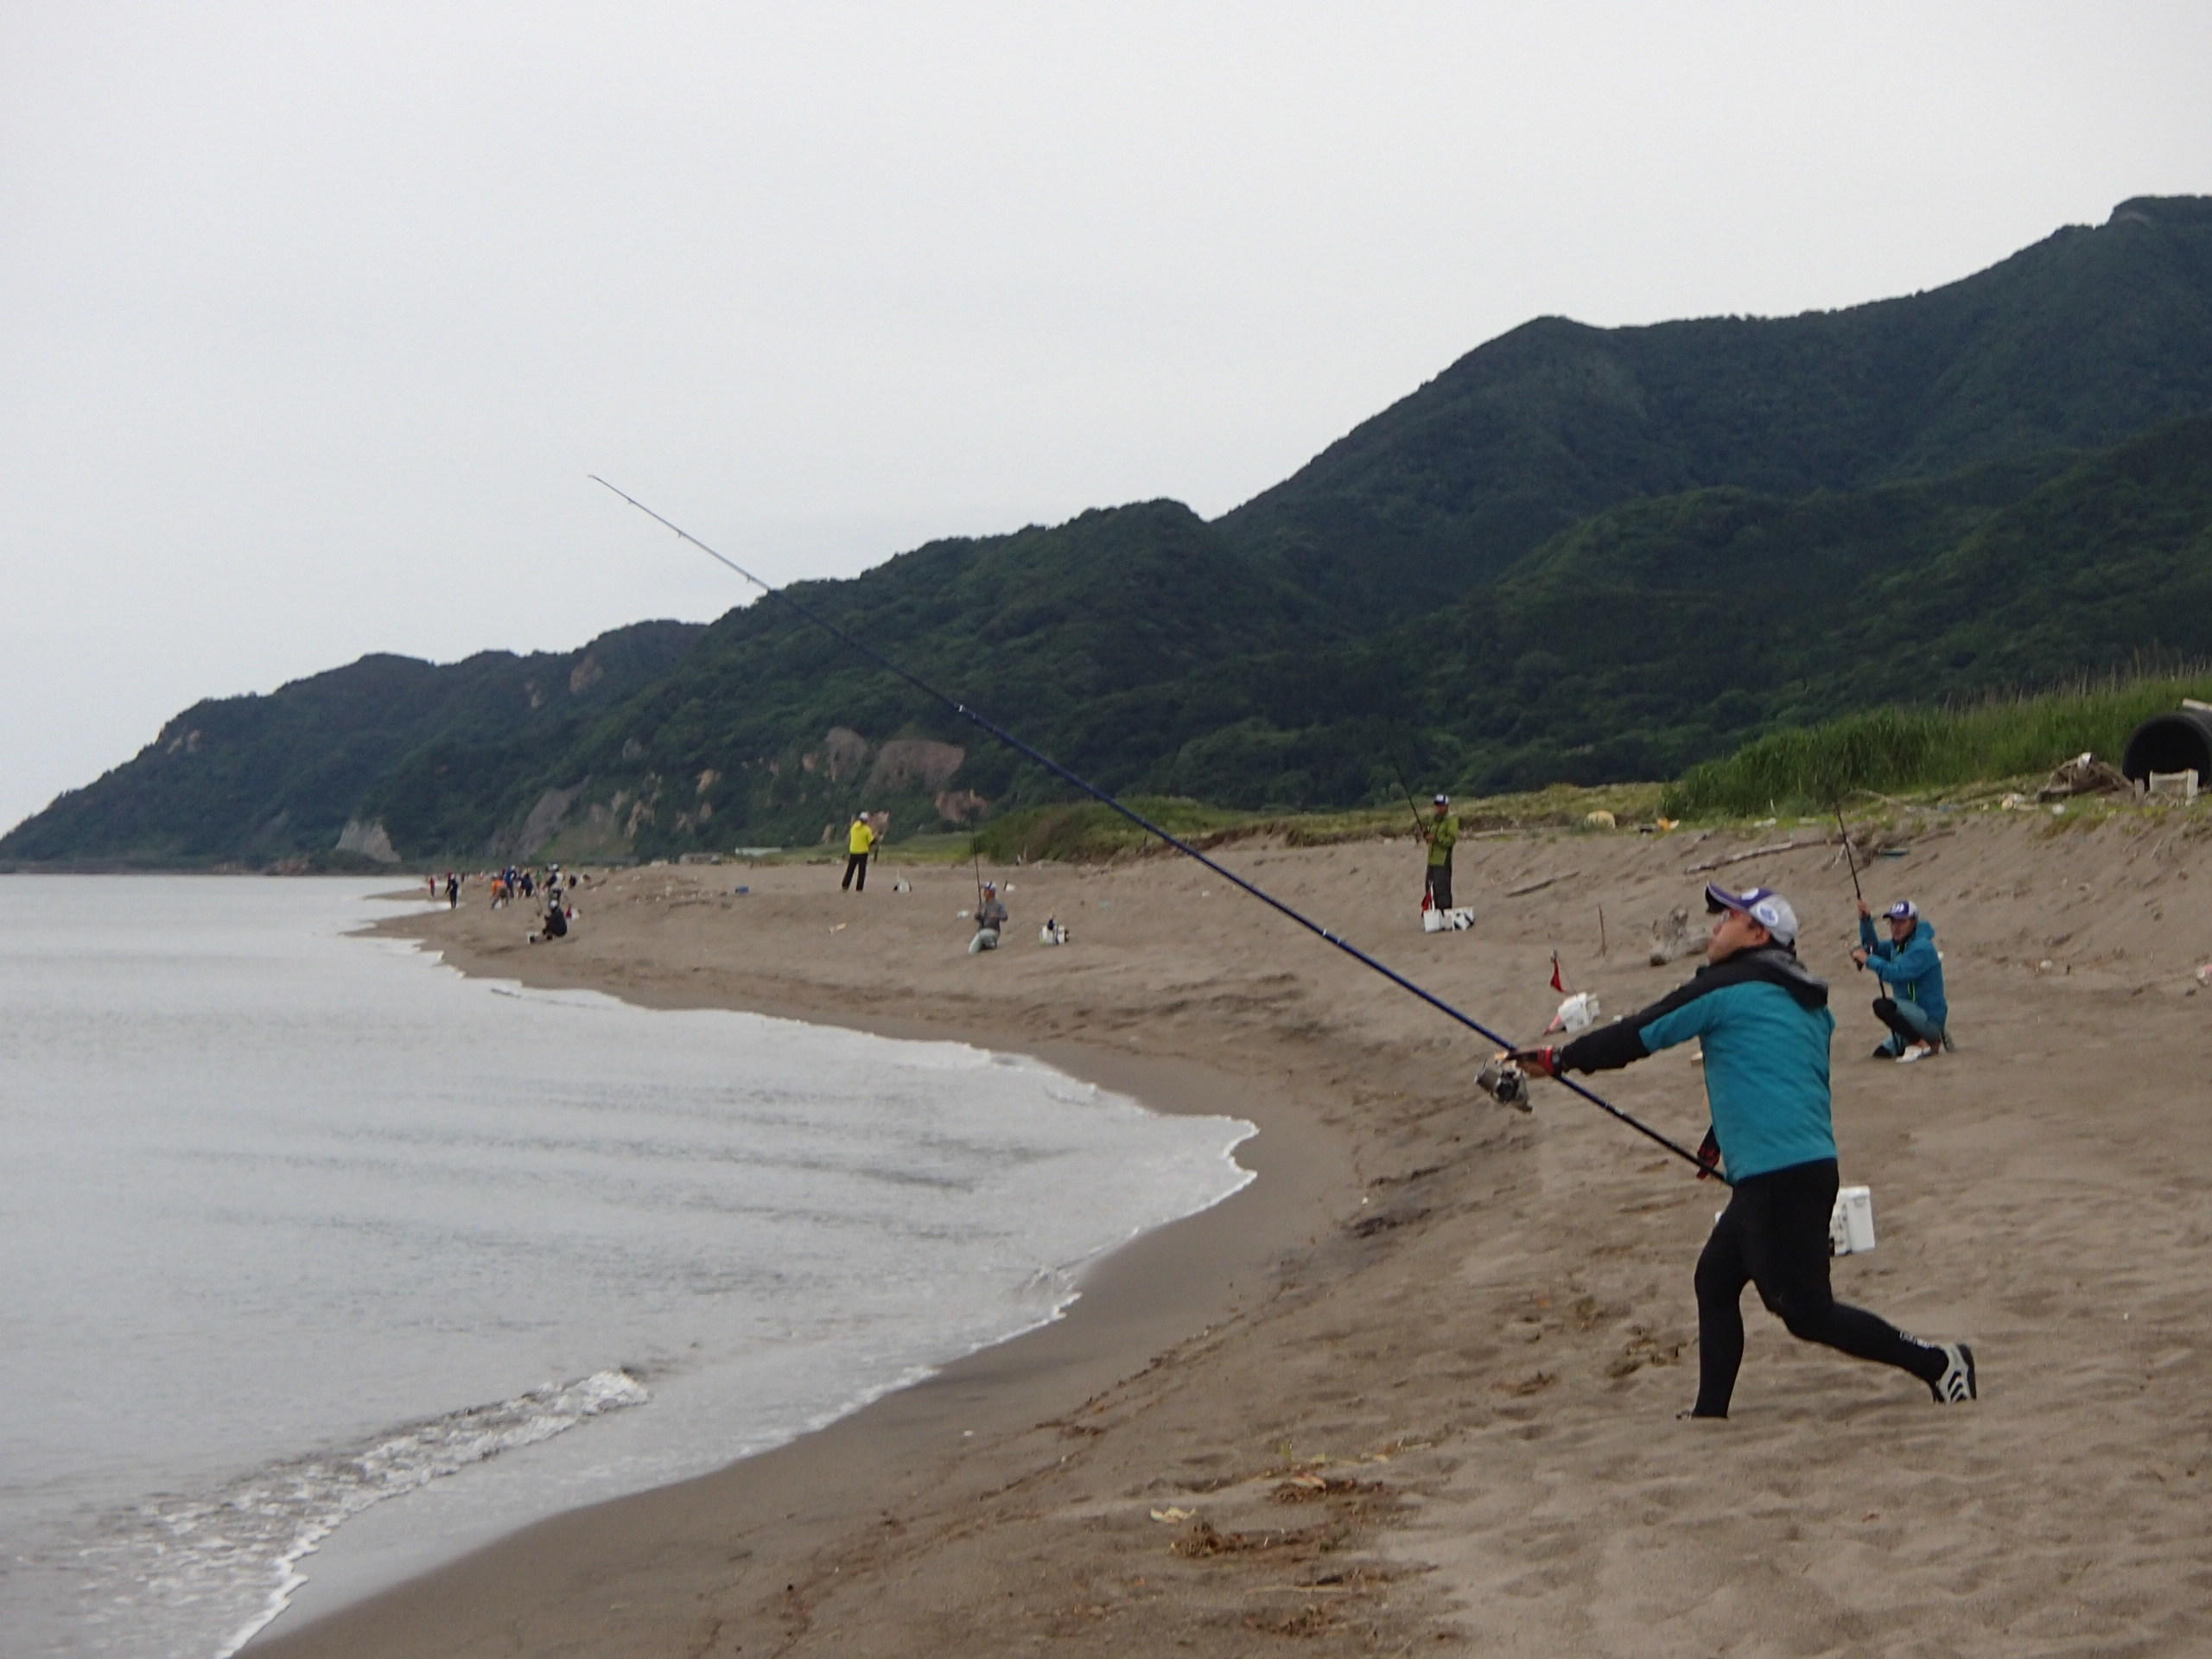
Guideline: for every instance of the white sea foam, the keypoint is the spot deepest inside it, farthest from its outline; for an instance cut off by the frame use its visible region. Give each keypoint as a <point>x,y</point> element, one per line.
<point>154,1562</point>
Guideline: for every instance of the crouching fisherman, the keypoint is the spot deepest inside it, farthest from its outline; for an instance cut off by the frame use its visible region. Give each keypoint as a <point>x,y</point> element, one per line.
<point>990,920</point>
<point>556,924</point>
<point>1765,1026</point>
<point>1911,971</point>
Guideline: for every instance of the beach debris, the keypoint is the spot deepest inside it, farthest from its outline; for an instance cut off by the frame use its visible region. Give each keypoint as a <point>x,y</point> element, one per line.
<point>902,885</point>
<point>2205,974</point>
<point>1457,920</point>
<point>1599,819</point>
<point>1173,1516</point>
<point>2084,775</point>
<point>1671,937</point>
<point>1204,1539</point>
<point>1579,1013</point>
<point>1539,886</point>
<point>1309,1487</point>
<point>1383,1221</point>
<point>1534,1382</point>
<point>1767,851</point>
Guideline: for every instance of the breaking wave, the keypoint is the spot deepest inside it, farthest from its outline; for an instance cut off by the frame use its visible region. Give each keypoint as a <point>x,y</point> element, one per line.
<point>184,1557</point>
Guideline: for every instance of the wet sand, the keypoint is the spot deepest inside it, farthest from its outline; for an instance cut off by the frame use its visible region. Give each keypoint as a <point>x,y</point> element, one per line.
<point>1414,1389</point>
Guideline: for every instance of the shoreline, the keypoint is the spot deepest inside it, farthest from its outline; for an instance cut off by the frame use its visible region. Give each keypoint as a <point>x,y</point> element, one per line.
<point>1134,1304</point>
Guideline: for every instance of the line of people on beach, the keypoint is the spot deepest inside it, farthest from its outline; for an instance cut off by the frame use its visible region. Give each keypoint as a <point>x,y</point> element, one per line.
<point>520,883</point>
<point>1762,1022</point>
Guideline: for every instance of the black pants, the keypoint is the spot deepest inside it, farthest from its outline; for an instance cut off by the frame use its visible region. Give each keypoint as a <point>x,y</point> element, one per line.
<point>1908,1022</point>
<point>855,865</point>
<point>1439,883</point>
<point>1774,1234</point>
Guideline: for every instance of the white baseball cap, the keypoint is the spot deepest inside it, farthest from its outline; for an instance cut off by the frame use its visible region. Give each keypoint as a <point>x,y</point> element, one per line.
<point>1763,904</point>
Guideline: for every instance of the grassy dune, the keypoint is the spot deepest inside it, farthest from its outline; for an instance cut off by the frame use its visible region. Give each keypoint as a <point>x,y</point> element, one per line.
<point>1893,750</point>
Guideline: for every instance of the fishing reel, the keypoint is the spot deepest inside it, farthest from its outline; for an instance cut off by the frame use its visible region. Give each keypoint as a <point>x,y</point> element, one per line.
<point>1505,1082</point>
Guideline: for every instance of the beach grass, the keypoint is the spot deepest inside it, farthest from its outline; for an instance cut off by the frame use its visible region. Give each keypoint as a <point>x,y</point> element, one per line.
<point>1893,751</point>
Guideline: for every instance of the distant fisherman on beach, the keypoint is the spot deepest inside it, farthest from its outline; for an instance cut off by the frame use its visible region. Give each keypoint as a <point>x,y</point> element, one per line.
<point>1443,835</point>
<point>1764,1025</point>
<point>858,845</point>
<point>990,920</point>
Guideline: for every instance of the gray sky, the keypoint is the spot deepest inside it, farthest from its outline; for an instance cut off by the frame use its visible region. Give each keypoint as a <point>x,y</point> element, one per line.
<point>313,318</point>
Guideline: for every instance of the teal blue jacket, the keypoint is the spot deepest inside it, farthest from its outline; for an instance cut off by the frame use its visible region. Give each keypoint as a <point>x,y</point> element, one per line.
<point>1766,1025</point>
<point>1912,971</point>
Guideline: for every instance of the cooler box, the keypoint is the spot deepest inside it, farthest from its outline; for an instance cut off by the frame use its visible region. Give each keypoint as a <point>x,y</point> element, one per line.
<point>1850,1225</point>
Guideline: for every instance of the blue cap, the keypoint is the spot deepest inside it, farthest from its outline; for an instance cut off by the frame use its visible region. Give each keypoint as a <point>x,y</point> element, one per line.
<point>1763,904</point>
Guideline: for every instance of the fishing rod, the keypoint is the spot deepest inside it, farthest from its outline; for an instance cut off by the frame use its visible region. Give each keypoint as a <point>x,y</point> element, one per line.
<point>1851,862</point>
<point>1419,829</point>
<point>1859,892</point>
<point>984,722</point>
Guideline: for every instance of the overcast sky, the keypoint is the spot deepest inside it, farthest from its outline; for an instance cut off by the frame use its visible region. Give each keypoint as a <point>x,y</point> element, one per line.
<point>313,317</point>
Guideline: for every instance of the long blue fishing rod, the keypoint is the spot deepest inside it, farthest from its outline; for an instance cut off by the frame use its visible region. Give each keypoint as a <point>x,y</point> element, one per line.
<point>1146,825</point>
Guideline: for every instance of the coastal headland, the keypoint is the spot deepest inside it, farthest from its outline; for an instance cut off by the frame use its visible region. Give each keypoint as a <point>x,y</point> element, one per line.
<point>1414,1390</point>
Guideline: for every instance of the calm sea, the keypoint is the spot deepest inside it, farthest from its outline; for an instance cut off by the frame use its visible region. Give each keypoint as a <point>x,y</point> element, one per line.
<point>311,1241</point>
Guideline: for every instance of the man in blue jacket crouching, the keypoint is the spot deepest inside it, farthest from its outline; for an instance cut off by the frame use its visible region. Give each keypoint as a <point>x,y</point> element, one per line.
<point>1764,1023</point>
<point>1911,971</point>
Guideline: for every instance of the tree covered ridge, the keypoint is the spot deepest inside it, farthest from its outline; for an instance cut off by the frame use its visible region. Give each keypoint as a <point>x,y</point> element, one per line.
<point>1578,554</point>
<point>258,778</point>
<point>2076,342</point>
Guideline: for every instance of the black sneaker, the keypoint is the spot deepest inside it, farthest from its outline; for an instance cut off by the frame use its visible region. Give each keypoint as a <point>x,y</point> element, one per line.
<point>1884,1052</point>
<point>1956,1386</point>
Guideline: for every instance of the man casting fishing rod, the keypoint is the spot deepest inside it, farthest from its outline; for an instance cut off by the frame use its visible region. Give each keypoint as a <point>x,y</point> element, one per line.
<point>1764,1023</point>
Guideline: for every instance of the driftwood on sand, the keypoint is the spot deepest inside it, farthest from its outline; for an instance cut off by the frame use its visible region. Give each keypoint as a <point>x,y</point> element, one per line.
<point>1671,937</point>
<point>1758,852</point>
<point>1537,887</point>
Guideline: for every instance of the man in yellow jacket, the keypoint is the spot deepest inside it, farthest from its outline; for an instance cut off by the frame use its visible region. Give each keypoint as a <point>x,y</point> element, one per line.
<point>858,846</point>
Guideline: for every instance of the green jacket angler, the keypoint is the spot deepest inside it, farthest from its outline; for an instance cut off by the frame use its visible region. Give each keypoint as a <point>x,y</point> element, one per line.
<point>1443,835</point>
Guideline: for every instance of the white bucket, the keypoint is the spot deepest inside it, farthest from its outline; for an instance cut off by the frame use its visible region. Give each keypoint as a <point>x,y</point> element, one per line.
<point>1851,1225</point>
<point>1578,1013</point>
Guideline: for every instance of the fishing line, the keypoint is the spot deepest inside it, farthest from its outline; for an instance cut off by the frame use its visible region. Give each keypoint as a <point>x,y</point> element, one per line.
<point>978,720</point>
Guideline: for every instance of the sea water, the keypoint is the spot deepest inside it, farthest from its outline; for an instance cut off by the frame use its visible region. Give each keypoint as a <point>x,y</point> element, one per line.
<point>305,1231</point>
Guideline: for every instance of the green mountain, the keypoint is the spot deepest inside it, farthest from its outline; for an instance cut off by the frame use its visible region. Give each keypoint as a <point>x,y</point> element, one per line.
<point>1580,553</point>
<point>1666,631</point>
<point>2076,342</point>
<point>262,778</point>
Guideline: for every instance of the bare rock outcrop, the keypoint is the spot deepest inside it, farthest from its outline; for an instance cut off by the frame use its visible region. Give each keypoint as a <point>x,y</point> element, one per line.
<point>369,838</point>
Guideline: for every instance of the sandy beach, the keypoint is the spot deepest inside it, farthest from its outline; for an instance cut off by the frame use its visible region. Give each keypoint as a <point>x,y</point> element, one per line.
<point>1414,1389</point>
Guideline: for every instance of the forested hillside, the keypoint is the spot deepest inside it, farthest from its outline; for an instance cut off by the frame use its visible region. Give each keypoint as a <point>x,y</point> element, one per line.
<point>260,778</point>
<point>2082,340</point>
<point>1578,554</point>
